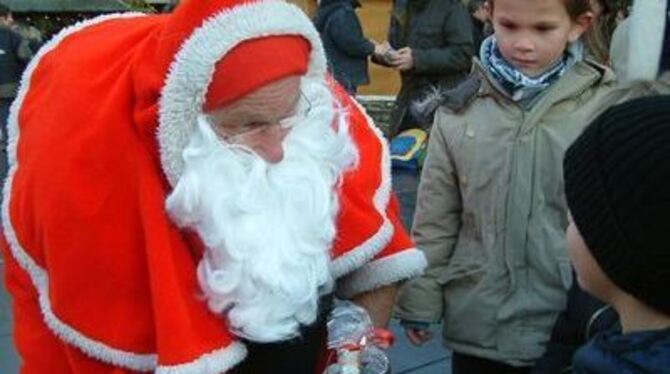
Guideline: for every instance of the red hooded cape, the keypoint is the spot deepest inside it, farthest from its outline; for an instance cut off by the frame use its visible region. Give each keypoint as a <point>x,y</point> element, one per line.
<point>102,280</point>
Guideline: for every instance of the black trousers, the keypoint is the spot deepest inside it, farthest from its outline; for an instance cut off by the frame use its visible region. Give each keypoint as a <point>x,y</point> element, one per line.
<point>295,356</point>
<point>466,364</point>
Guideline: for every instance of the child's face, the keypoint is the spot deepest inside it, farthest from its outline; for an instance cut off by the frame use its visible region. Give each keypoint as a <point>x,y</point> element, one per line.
<point>532,34</point>
<point>590,275</point>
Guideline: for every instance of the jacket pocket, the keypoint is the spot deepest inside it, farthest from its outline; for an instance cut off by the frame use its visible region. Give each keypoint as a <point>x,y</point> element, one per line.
<point>469,316</point>
<point>460,271</point>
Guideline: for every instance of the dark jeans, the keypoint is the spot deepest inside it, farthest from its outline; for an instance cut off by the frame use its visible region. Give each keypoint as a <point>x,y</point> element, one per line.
<point>466,364</point>
<point>296,356</point>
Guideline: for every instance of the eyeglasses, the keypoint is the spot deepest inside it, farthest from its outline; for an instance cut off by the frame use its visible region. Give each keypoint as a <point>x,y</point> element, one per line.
<point>253,132</point>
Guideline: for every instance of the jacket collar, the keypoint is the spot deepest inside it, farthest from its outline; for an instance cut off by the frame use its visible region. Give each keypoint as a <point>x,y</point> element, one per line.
<point>580,77</point>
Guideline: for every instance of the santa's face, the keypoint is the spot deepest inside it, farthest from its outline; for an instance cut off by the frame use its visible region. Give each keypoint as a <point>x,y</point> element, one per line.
<point>260,120</point>
<point>266,214</point>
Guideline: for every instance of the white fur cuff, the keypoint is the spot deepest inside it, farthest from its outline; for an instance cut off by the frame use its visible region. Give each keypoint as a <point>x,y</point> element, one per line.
<point>375,274</point>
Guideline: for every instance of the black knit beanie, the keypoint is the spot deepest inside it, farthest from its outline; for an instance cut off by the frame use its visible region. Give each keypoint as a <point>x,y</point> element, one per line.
<point>617,184</point>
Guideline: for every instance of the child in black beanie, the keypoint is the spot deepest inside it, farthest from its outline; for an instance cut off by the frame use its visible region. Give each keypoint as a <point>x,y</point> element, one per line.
<point>617,185</point>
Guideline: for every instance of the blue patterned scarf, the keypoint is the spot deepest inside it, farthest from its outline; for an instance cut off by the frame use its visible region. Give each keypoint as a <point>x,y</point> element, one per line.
<point>519,86</point>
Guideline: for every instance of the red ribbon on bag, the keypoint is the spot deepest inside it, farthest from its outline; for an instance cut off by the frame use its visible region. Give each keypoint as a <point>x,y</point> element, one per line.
<point>379,337</point>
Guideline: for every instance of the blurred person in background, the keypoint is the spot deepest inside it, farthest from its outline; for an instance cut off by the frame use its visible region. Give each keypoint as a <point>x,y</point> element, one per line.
<point>432,49</point>
<point>15,52</point>
<point>481,25</point>
<point>347,49</point>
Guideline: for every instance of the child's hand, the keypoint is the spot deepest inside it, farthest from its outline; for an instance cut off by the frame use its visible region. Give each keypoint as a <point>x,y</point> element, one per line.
<point>418,336</point>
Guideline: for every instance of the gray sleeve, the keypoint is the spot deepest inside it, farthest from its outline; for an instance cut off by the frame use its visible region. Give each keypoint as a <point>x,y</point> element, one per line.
<point>437,222</point>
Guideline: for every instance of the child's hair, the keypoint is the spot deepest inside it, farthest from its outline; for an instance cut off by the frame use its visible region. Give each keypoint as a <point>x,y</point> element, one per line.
<point>473,5</point>
<point>575,8</point>
<point>599,36</point>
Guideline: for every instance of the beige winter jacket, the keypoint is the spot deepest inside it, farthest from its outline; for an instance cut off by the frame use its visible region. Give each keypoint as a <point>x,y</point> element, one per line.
<point>491,217</point>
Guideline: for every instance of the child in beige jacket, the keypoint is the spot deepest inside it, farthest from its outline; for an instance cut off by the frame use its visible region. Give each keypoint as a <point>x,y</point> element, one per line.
<point>491,212</point>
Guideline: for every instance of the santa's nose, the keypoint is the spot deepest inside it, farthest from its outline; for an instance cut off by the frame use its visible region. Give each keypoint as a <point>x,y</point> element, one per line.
<point>271,147</point>
<point>272,154</point>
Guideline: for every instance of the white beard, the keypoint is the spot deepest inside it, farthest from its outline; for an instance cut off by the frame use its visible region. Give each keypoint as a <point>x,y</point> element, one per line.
<point>268,229</point>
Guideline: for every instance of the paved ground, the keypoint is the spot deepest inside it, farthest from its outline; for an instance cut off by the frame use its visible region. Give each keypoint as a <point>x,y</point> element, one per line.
<point>9,362</point>
<point>428,359</point>
<point>431,358</point>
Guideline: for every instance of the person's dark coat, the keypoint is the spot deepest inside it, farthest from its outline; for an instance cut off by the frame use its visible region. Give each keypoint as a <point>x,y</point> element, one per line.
<point>584,317</point>
<point>439,32</point>
<point>15,52</point>
<point>346,47</point>
<point>480,31</point>
<point>635,352</point>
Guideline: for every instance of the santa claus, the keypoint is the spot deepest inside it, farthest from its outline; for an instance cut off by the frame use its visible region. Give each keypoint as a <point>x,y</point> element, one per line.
<point>187,194</point>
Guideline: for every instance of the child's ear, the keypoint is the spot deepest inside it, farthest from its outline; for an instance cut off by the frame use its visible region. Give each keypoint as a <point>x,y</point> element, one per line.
<point>580,25</point>
<point>488,8</point>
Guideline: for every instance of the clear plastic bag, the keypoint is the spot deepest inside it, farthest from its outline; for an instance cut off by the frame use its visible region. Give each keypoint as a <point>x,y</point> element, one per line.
<point>359,346</point>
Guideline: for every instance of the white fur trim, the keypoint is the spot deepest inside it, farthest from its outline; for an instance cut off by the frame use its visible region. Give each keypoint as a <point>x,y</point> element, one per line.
<point>358,256</point>
<point>645,32</point>
<point>403,265</point>
<point>183,95</point>
<point>211,363</point>
<point>217,361</point>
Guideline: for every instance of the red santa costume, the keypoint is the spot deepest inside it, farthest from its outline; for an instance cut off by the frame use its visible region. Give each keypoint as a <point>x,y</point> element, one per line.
<point>104,276</point>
